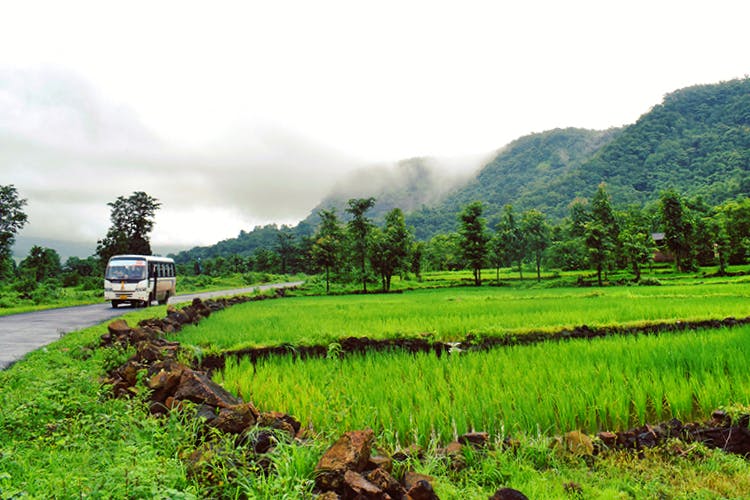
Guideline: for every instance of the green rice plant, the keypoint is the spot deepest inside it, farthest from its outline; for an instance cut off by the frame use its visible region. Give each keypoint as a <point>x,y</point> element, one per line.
<point>611,383</point>
<point>449,314</point>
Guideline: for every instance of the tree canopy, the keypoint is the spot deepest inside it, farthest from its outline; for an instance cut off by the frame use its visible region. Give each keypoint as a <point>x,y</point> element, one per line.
<point>132,221</point>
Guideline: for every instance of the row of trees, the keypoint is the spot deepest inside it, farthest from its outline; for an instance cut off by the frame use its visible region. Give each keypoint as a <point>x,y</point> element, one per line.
<point>132,221</point>
<point>593,236</point>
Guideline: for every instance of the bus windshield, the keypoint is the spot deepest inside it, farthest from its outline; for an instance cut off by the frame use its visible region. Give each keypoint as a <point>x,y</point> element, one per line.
<point>126,270</point>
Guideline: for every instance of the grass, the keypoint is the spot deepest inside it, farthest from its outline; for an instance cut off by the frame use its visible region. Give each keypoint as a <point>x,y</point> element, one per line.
<point>449,314</point>
<point>61,434</point>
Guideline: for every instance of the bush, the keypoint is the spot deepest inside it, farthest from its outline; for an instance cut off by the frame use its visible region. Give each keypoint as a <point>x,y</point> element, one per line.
<point>649,282</point>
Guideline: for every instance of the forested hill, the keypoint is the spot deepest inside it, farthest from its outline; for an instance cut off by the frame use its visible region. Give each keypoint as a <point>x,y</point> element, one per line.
<point>519,175</point>
<point>696,141</point>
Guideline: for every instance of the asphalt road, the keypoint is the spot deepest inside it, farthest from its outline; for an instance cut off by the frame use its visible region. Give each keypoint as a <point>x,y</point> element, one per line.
<point>26,332</point>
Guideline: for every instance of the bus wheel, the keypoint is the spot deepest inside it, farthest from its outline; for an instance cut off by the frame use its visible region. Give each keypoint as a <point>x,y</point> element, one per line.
<point>164,300</point>
<point>115,303</point>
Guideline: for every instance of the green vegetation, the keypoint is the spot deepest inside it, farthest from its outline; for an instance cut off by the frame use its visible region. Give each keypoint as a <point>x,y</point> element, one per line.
<point>609,384</point>
<point>63,435</point>
<point>449,314</point>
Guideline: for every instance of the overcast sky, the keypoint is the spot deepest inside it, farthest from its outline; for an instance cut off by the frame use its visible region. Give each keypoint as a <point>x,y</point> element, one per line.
<point>235,114</point>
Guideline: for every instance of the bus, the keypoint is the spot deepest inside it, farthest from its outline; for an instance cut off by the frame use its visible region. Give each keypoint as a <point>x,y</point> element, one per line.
<point>139,280</point>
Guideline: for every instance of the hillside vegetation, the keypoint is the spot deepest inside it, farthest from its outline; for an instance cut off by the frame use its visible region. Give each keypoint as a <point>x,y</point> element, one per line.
<point>697,142</point>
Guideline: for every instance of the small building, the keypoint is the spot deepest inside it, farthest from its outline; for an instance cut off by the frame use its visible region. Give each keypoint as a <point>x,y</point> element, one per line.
<point>662,253</point>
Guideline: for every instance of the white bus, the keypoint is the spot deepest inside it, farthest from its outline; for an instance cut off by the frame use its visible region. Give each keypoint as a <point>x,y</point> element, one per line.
<point>139,280</point>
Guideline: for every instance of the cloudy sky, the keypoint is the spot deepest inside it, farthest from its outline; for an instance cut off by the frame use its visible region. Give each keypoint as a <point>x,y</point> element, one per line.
<point>235,114</point>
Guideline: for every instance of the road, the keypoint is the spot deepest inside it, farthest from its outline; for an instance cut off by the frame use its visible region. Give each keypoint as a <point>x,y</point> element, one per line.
<point>26,332</point>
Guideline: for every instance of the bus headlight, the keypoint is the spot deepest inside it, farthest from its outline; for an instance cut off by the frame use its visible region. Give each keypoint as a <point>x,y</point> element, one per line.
<point>141,286</point>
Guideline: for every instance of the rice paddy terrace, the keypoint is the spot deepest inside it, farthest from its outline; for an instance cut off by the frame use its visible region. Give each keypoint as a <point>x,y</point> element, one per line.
<point>424,367</point>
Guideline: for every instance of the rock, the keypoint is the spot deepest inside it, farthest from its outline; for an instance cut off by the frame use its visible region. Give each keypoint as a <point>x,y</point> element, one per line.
<point>164,382</point>
<point>608,438</point>
<point>411,478</point>
<point>235,419</point>
<point>380,462</point>
<point>421,490</point>
<point>356,486</point>
<point>198,388</point>
<point>475,439</point>
<point>508,494</point>
<point>328,495</point>
<point>453,448</point>
<point>119,328</point>
<point>281,421</point>
<point>350,453</point>
<point>720,418</point>
<point>383,480</point>
<point>578,443</point>
<point>263,441</point>
<point>731,439</point>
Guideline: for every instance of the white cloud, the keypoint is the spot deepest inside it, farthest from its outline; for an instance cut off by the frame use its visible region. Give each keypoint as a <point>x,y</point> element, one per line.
<point>242,113</point>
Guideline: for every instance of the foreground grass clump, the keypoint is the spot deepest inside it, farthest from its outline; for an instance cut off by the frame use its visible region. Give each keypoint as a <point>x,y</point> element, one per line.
<point>62,436</point>
<point>605,384</point>
<point>450,314</point>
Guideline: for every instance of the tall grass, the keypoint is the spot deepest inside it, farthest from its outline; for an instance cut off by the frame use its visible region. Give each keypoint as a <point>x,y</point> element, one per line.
<point>612,383</point>
<point>451,313</point>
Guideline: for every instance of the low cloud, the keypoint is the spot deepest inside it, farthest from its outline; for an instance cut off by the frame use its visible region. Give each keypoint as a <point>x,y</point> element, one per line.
<point>69,152</point>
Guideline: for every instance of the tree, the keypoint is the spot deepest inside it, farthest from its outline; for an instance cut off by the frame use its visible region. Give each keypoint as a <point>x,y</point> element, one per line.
<point>722,244</point>
<point>509,244</point>
<point>12,219</point>
<point>42,263</point>
<point>599,245</point>
<point>737,222</point>
<point>443,252</point>
<point>601,232</point>
<point>285,248</point>
<point>417,253</point>
<point>132,221</point>
<point>602,213</point>
<point>473,238</point>
<point>536,234</point>
<point>390,247</point>
<point>329,241</point>
<point>359,228</point>
<point>638,248</point>
<point>678,229</point>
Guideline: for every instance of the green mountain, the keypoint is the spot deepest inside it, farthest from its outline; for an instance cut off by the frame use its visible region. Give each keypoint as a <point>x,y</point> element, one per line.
<point>519,175</point>
<point>696,141</point>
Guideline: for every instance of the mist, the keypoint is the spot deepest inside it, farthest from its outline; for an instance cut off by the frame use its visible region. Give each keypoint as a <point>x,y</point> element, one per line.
<point>69,152</point>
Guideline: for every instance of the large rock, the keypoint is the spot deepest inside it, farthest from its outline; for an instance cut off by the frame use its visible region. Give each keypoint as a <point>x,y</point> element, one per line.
<point>383,480</point>
<point>350,453</point>
<point>356,486</point>
<point>236,419</point>
<point>508,494</point>
<point>198,388</point>
<point>734,439</point>
<point>280,421</point>
<point>421,490</point>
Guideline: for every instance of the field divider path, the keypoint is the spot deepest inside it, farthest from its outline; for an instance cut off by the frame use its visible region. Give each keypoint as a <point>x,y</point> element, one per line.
<point>363,345</point>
